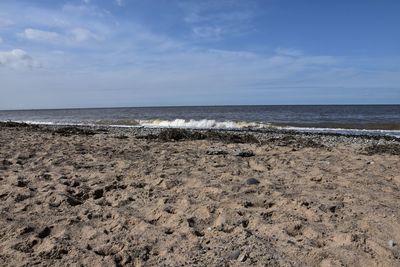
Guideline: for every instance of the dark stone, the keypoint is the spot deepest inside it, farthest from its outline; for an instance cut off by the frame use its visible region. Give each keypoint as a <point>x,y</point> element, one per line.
<point>336,207</point>
<point>252,181</point>
<point>215,151</point>
<point>191,222</point>
<point>21,197</point>
<point>75,183</point>
<point>7,162</point>
<point>198,233</point>
<point>98,193</point>
<point>26,230</point>
<point>243,153</point>
<point>73,130</point>
<point>45,232</point>
<point>21,182</point>
<point>46,176</point>
<point>332,207</point>
<point>73,201</point>
<point>169,231</point>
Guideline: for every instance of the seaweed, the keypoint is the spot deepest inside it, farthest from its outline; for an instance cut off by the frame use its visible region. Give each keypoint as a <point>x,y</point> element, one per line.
<point>172,134</point>
<point>392,149</point>
<point>71,130</point>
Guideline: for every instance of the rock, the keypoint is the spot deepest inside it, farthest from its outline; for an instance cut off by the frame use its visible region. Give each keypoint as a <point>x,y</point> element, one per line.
<point>216,151</point>
<point>98,193</point>
<point>392,243</point>
<point>243,153</point>
<point>22,196</point>
<point>21,182</point>
<point>45,232</point>
<point>6,162</point>
<point>75,183</point>
<point>234,255</point>
<point>46,176</point>
<point>332,207</point>
<point>25,246</point>
<point>316,179</point>
<point>26,230</point>
<point>335,207</point>
<point>242,257</point>
<point>252,181</point>
<point>55,200</point>
<point>73,201</point>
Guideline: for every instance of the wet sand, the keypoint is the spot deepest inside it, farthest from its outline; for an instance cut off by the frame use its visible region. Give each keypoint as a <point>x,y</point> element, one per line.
<point>73,197</point>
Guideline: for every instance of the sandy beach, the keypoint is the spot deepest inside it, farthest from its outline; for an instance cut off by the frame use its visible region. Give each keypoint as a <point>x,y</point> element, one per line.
<point>84,197</point>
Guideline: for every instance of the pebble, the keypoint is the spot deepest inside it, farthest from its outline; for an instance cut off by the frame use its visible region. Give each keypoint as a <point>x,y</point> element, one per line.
<point>216,151</point>
<point>242,257</point>
<point>252,181</point>
<point>243,153</point>
<point>45,232</point>
<point>392,243</point>
<point>98,193</point>
<point>234,255</point>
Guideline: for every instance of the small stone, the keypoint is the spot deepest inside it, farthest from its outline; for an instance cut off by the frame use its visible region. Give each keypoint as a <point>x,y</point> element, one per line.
<point>26,230</point>
<point>234,255</point>
<point>45,232</point>
<point>216,151</point>
<point>7,162</point>
<point>243,153</point>
<point>392,243</point>
<point>75,183</point>
<point>73,201</point>
<point>98,193</point>
<point>21,182</point>
<point>316,179</point>
<point>46,176</point>
<point>242,257</point>
<point>252,181</point>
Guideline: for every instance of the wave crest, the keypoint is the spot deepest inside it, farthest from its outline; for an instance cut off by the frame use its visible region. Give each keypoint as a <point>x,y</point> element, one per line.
<point>202,124</point>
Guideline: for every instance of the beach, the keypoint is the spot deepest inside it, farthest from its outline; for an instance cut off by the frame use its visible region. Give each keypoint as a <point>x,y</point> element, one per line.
<point>103,196</point>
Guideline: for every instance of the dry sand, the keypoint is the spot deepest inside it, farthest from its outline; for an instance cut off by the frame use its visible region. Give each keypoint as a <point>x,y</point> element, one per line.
<point>76,199</point>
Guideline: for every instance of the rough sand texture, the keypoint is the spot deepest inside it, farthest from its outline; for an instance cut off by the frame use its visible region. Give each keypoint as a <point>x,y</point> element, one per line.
<point>72,199</point>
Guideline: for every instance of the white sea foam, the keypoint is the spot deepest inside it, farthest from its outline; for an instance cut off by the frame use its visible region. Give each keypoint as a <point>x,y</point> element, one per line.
<point>201,124</point>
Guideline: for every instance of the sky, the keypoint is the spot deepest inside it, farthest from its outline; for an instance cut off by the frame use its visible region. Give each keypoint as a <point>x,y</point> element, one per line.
<point>110,53</point>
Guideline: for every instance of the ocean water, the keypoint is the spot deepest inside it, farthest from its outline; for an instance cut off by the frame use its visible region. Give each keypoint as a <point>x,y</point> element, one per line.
<point>355,119</point>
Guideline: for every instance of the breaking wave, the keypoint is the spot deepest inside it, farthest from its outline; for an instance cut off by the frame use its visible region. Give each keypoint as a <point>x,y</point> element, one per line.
<point>202,124</point>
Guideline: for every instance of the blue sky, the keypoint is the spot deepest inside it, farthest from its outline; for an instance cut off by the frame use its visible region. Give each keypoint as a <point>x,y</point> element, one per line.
<point>91,53</point>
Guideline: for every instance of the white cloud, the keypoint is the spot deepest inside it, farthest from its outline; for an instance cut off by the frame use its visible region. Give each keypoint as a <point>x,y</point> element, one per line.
<point>39,35</point>
<point>5,23</point>
<point>219,19</point>
<point>119,2</point>
<point>288,52</point>
<point>207,32</point>
<point>17,59</point>
<point>74,36</point>
<point>83,35</point>
<point>86,1</point>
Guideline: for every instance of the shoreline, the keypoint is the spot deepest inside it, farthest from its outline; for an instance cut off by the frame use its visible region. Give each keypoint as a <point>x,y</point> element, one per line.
<point>260,134</point>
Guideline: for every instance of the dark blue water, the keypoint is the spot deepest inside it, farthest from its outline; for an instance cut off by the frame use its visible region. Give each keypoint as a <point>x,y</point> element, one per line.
<point>381,117</point>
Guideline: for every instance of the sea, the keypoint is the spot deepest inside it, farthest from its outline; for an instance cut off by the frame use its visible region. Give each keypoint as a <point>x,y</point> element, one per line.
<point>344,119</point>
